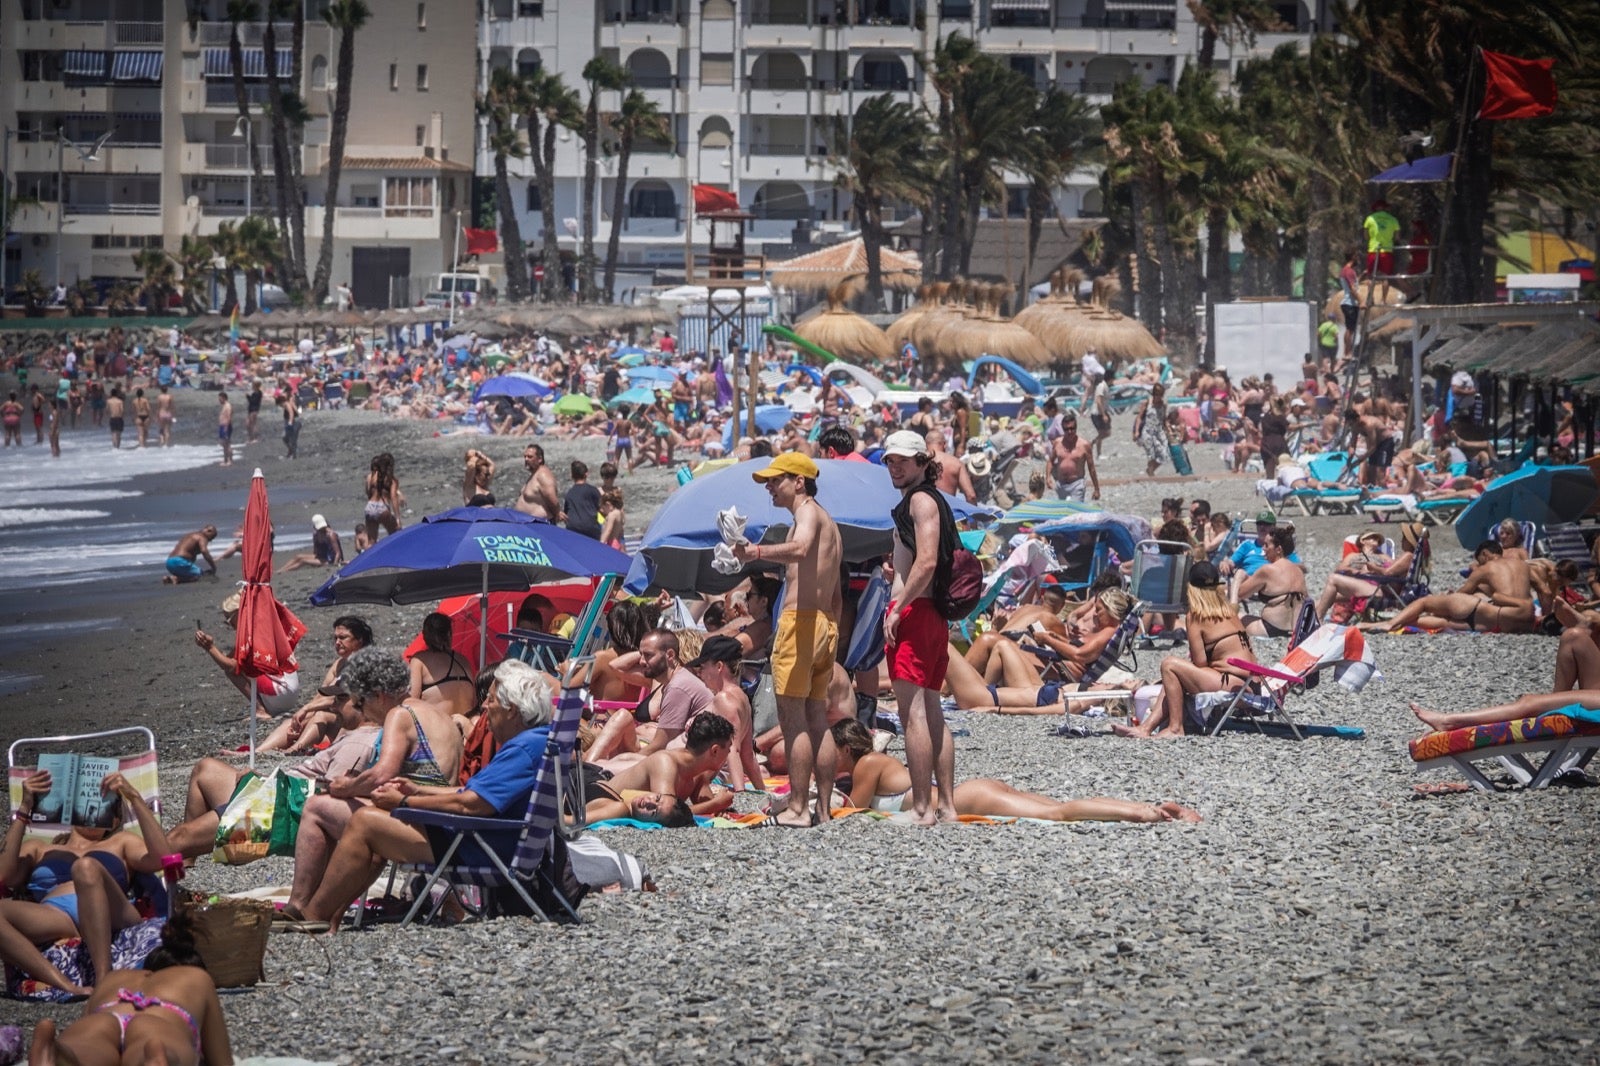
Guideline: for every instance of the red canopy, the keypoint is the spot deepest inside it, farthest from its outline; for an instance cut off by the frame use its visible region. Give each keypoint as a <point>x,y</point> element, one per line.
<point>268,631</point>
<point>569,597</point>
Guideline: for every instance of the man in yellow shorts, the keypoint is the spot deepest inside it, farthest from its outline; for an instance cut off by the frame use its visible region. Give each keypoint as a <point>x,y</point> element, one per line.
<point>807,635</point>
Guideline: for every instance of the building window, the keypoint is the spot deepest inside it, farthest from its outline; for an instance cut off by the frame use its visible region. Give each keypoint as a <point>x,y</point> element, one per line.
<point>394,77</point>
<point>652,200</point>
<point>422,77</point>
<point>534,203</point>
<point>716,69</point>
<point>319,72</point>
<point>422,135</point>
<point>408,197</point>
<point>531,9</point>
<point>422,16</point>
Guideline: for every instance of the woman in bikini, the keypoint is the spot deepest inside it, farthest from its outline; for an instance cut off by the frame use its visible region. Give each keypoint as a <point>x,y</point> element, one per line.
<point>384,498</point>
<point>420,743</point>
<point>79,884</point>
<point>440,676</point>
<point>166,1012</point>
<point>1279,587</point>
<point>1354,578</point>
<point>1216,634</point>
<point>880,782</point>
<point>614,530</point>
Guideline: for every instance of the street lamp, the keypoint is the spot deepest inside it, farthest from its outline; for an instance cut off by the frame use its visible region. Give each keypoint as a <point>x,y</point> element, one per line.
<point>246,129</point>
<point>451,290</point>
<point>87,154</point>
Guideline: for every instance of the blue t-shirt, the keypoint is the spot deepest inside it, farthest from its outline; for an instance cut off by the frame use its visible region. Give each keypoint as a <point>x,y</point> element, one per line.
<point>1249,557</point>
<point>507,781</point>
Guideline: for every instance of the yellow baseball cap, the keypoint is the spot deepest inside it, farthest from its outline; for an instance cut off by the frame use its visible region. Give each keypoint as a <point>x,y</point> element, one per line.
<point>788,463</point>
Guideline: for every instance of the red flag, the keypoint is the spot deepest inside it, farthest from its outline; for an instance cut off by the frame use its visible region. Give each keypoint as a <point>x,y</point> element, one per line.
<point>481,241</point>
<point>1517,88</point>
<point>709,198</point>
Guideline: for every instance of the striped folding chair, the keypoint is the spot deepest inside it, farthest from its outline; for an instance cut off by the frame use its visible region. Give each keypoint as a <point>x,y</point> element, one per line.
<point>488,866</point>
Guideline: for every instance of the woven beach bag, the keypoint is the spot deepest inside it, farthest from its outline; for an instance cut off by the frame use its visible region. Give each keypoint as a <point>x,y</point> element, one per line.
<point>231,936</point>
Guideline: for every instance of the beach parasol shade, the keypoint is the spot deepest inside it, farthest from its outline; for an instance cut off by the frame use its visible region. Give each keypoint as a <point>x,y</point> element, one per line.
<point>515,386</point>
<point>651,375</point>
<point>680,539</point>
<point>574,403</point>
<point>845,333</point>
<point>268,631</point>
<point>467,549</point>
<point>638,397</point>
<point>985,333</point>
<point>1543,495</point>
<point>846,262</point>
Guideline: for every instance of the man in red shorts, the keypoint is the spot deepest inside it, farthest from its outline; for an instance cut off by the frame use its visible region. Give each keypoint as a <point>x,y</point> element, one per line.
<point>915,632</point>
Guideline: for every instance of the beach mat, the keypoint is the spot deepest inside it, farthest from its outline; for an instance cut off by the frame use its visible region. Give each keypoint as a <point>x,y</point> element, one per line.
<point>1278,729</point>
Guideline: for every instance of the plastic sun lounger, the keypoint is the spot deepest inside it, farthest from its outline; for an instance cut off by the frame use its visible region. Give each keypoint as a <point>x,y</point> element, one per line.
<point>1565,743</point>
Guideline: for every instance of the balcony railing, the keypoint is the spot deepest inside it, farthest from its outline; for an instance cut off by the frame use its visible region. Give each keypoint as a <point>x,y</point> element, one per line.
<point>778,148</point>
<point>219,93</point>
<point>138,32</point>
<point>113,209</point>
<point>1090,87</point>
<point>1122,20</point>
<point>350,211</point>
<point>235,156</point>
<point>220,33</point>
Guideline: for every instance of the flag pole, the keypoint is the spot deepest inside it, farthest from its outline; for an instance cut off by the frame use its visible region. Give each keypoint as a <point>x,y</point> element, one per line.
<point>455,256</point>
<point>1434,282</point>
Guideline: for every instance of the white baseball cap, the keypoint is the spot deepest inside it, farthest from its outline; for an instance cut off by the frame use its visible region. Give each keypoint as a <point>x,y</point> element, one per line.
<point>318,522</point>
<point>905,442</point>
<point>1462,381</point>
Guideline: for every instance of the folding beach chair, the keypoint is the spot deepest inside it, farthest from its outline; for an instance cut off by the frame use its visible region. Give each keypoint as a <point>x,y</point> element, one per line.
<point>1398,591</point>
<point>1266,694</point>
<point>1229,543</point>
<point>1567,742</point>
<point>1566,542</point>
<point>527,870</point>
<point>1160,579</point>
<point>1117,648</point>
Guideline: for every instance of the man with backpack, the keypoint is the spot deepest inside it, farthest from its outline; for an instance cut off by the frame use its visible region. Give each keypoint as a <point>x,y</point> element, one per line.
<point>806,638</point>
<point>916,629</point>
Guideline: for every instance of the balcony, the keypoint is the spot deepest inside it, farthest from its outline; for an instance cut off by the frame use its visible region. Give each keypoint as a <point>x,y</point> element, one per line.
<point>219,93</point>
<point>219,34</point>
<point>235,156</point>
<point>138,32</point>
<point>112,208</point>
<point>788,101</point>
<point>1121,20</point>
<point>50,34</point>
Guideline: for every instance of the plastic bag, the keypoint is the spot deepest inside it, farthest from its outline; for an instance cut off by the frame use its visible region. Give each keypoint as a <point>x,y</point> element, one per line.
<point>730,527</point>
<point>244,831</point>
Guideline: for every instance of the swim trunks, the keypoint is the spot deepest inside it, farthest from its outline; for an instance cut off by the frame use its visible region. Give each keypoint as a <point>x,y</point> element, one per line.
<point>803,648</point>
<point>1072,490</point>
<point>922,653</point>
<point>224,432</point>
<point>116,425</point>
<point>183,569</point>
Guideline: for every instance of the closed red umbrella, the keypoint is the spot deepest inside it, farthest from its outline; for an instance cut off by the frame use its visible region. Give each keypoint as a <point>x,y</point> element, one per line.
<point>268,631</point>
<point>569,597</point>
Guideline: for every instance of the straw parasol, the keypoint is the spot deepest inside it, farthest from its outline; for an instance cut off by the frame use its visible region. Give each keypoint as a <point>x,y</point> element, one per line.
<point>845,333</point>
<point>1108,332</point>
<point>929,332</point>
<point>929,297</point>
<point>825,268</point>
<point>986,333</point>
<point>1052,318</point>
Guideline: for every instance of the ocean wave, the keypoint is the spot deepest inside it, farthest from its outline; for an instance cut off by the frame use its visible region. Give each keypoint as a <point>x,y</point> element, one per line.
<point>84,463</point>
<point>37,516</point>
<point>57,497</point>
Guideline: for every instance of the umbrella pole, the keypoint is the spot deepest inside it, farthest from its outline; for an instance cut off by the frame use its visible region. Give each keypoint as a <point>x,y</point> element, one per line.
<point>483,622</point>
<point>250,713</point>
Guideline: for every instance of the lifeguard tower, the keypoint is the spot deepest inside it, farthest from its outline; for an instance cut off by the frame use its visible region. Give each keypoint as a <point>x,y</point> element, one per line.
<point>726,267</point>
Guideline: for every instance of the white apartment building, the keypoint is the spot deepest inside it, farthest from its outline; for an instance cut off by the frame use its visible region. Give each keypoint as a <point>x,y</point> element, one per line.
<point>153,79</point>
<point>749,85</point>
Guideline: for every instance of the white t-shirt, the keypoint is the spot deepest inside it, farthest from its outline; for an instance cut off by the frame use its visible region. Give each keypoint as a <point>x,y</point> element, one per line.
<point>1092,367</point>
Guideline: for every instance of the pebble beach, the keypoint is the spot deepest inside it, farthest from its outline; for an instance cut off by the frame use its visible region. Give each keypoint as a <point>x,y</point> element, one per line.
<point>1323,910</point>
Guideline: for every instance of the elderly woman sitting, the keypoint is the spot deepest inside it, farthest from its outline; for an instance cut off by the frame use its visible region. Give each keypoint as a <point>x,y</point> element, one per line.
<point>421,746</point>
<point>1356,579</point>
<point>519,710</point>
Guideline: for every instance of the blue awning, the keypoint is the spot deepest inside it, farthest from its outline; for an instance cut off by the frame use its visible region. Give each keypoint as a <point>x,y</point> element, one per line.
<point>136,66</point>
<point>218,65</point>
<point>1431,169</point>
<point>84,64</point>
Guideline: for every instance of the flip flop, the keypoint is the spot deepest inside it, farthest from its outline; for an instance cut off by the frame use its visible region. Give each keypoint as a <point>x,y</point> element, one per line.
<point>771,820</point>
<point>300,927</point>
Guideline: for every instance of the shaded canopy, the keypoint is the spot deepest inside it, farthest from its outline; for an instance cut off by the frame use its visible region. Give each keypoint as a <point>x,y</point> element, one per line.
<point>1559,353</point>
<point>828,267</point>
<point>845,333</point>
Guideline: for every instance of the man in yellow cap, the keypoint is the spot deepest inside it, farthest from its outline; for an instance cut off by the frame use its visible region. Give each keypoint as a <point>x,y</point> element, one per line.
<point>807,635</point>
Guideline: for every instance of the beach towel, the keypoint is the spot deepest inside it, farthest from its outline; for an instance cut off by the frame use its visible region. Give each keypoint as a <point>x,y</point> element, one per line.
<point>129,948</point>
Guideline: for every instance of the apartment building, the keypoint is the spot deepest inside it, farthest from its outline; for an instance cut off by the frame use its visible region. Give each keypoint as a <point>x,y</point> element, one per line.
<point>750,87</point>
<point>122,131</point>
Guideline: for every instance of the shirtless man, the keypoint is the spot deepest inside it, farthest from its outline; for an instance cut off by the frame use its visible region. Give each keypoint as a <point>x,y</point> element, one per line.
<point>225,428</point>
<point>476,478</point>
<point>1071,458</point>
<point>717,666</point>
<point>181,565</point>
<point>1497,597</point>
<point>1380,445</point>
<point>165,416</point>
<point>114,408</point>
<point>954,478</point>
<point>141,416</point>
<point>807,636</point>
<point>539,496</point>
<point>683,773</point>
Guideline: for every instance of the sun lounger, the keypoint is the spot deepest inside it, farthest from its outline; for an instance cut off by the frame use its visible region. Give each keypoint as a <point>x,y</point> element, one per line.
<point>1565,742</point>
<point>1567,542</point>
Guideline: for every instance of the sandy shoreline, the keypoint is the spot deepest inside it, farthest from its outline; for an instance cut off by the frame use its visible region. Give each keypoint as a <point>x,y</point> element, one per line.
<point>1322,912</point>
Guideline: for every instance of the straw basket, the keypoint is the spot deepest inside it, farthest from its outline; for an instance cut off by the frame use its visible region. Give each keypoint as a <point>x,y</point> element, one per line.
<point>231,936</point>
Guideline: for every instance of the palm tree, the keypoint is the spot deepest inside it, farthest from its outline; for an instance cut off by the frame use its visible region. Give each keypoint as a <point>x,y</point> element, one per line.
<point>195,257</point>
<point>883,160</point>
<point>501,105</point>
<point>160,278</point>
<point>287,114</point>
<point>991,110</point>
<point>638,119</point>
<point>239,12</point>
<point>550,105</point>
<point>257,243</point>
<point>602,75</point>
<point>225,246</point>
<point>1230,21</point>
<point>347,17</point>
<point>947,71</point>
<point>1064,134</point>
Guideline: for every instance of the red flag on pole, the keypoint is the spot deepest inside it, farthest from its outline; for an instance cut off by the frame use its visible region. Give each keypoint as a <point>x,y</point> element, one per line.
<point>709,198</point>
<point>1517,88</point>
<point>481,241</point>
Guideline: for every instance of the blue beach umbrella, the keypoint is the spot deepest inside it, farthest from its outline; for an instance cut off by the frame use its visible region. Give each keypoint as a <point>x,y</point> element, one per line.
<point>631,359</point>
<point>467,550</point>
<point>650,375</point>
<point>1543,495</point>
<point>512,385</point>
<point>639,397</point>
<point>678,544</point>
<point>630,351</point>
<point>770,418</point>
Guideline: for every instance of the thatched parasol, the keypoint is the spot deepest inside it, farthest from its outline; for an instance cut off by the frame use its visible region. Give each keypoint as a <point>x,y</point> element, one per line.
<point>986,333</point>
<point>1110,333</point>
<point>929,333</point>
<point>826,268</point>
<point>845,333</point>
<point>929,297</point>
<point>1052,318</point>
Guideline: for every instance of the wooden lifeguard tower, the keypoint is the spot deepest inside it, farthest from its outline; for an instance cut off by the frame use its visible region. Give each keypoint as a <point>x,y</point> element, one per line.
<point>725,267</point>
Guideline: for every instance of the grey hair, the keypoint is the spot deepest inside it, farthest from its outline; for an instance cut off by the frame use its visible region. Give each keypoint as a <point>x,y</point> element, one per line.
<point>376,672</point>
<point>523,689</point>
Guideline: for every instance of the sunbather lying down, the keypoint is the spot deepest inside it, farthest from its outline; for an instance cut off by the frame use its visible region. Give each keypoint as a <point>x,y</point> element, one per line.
<point>1530,705</point>
<point>882,783</point>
